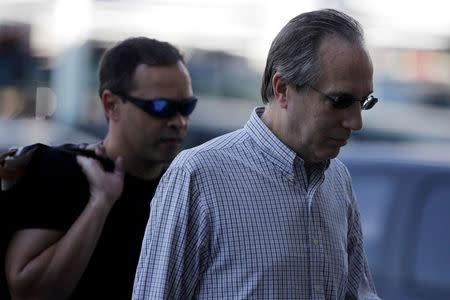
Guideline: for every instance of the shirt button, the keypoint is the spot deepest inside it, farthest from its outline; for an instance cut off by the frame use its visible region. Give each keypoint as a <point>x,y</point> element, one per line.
<point>315,242</point>
<point>317,289</point>
<point>290,177</point>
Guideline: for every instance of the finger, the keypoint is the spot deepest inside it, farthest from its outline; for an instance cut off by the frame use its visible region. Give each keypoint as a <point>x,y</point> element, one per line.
<point>100,151</point>
<point>88,165</point>
<point>83,162</point>
<point>93,146</point>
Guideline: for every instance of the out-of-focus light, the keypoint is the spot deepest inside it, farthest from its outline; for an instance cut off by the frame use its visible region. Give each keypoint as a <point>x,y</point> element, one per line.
<point>405,23</point>
<point>71,22</point>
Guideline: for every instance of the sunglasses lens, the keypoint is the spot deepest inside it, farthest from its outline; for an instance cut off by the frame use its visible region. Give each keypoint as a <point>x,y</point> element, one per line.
<point>369,103</point>
<point>188,106</point>
<point>168,108</point>
<point>163,108</point>
<point>343,102</point>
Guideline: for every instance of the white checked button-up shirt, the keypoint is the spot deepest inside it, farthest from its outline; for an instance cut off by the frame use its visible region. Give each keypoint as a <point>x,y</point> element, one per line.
<point>236,218</point>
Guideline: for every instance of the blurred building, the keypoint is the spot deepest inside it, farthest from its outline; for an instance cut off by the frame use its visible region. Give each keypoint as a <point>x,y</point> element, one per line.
<point>17,89</point>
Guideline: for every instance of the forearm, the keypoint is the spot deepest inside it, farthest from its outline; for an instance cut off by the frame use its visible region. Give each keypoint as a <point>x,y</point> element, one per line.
<point>53,270</point>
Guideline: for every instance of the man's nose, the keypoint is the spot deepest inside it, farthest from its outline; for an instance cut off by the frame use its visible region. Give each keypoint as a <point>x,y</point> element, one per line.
<point>352,117</point>
<point>178,121</point>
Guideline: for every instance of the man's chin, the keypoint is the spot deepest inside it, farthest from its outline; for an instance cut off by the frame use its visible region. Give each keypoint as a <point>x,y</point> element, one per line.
<point>330,154</point>
<point>169,155</point>
<point>335,153</point>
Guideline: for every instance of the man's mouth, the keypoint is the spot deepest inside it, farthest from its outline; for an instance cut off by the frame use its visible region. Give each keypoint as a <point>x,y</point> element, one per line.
<point>340,141</point>
<point>172,141</point>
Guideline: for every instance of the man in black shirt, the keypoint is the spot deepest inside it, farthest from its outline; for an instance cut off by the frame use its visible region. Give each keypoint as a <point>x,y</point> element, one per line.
<point>82,241</point>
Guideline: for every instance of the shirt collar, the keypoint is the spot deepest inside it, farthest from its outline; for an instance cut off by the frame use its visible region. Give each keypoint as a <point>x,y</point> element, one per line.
<point>275,150</point>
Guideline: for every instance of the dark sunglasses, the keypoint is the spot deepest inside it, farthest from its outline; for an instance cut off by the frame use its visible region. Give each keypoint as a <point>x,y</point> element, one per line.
<point>162,108</point>
<point>344,101</point>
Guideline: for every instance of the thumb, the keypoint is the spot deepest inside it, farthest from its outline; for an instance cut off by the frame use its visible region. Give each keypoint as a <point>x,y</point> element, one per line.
<point>90,166</point>
<point>83,162</point>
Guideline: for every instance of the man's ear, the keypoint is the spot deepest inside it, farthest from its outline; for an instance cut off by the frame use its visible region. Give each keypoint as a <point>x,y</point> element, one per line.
<point>279,90</point>
<point>110,103</point>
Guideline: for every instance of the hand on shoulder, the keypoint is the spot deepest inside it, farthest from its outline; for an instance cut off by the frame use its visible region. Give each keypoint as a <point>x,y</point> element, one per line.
<point>105,187</point>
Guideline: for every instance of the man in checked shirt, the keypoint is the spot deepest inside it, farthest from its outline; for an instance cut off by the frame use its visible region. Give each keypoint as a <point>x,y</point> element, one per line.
<point>267,211</point>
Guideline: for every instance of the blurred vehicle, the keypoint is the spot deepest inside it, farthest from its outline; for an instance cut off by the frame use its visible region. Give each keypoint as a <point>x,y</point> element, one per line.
<point>403,191</point>
<point>416,92</point>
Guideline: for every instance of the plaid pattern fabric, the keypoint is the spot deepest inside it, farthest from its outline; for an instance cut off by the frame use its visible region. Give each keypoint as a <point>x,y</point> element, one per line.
<point>236,218</point>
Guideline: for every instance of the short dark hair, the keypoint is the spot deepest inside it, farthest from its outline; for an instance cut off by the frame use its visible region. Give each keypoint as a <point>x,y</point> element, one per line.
<point>295,50</point>
<point>118,64</point>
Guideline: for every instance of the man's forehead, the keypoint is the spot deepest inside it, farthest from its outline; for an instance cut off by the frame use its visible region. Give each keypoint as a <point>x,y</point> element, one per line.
<point>169,74</point>
<point>339,55</point>
<point>160,69</point>
<point>332,47</point>
<point>346,67</point>
<point>170,81</point>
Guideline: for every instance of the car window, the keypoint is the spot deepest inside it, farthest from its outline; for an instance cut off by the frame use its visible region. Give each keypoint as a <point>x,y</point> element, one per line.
<point>374,193</point>
<point>432,263</point>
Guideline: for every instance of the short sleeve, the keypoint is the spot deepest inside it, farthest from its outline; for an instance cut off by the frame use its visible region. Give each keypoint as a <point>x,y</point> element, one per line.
<point>51,195</point>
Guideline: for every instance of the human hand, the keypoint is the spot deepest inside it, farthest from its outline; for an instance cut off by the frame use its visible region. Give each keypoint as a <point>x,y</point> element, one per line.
<point>98,148</point>
<point>105,187</point>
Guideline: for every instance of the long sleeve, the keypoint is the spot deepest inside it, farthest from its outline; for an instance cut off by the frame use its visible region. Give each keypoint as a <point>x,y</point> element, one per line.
<point>174,249</point>
<point>360,284</point>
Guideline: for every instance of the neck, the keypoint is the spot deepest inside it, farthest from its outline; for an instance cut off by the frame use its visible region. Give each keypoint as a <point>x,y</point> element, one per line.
<point>273,118</point>
<point>268,118</point>
<point>134,165</point>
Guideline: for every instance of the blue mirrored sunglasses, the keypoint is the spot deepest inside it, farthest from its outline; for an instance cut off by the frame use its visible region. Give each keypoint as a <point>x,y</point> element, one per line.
<point>160,107</point>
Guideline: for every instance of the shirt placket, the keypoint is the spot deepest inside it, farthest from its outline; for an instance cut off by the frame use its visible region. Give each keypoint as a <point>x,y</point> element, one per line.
<point>316,246</point>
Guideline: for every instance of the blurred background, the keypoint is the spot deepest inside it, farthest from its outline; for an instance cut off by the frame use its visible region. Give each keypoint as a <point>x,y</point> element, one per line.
<point>400,162</point>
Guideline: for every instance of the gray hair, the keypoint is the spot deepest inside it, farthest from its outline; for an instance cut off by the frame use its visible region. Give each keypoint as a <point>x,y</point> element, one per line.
<point>294,51</point>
